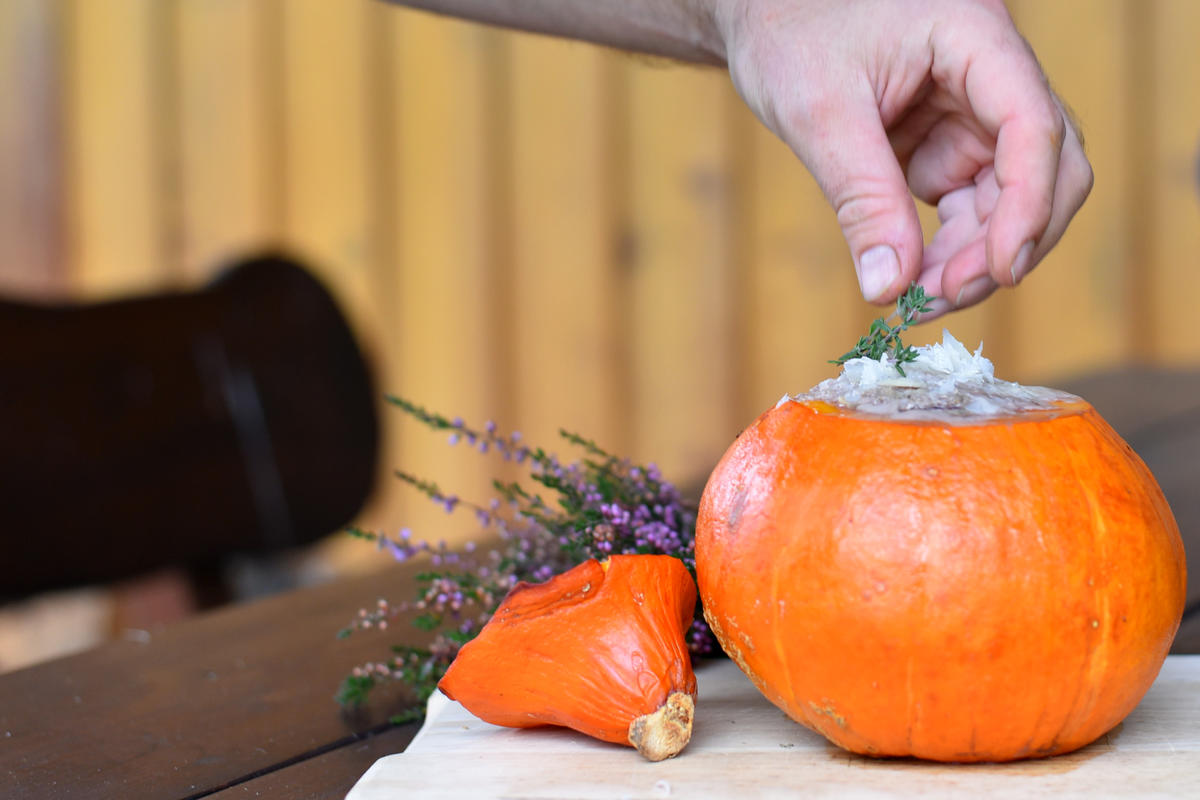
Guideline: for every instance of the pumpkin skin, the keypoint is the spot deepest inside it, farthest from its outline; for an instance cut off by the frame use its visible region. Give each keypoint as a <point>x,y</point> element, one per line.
<point>955,592</point>
<point>599,648</point>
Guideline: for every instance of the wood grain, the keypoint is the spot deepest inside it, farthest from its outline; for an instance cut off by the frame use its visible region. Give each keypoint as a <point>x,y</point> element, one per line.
<point>328,776</point>
<point>1170,162</point>
<point>32,223</point>
<point>684,291</point>
<point>117,95</point>
<point>327,113</point>
<point>197,707</point>
<point>549,233</point>
<point>230,194</point>
<point>446,326</point>
<point>741,744</point>
<point>801,299</point>
<point>1072,313</point>
<point>566,305</point>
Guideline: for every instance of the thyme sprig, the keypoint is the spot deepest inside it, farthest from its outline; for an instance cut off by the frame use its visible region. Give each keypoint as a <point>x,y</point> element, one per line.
<point>884,338</point>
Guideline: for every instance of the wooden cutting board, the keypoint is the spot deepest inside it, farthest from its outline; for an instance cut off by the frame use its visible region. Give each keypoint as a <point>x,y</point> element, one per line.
<point>742,746</point>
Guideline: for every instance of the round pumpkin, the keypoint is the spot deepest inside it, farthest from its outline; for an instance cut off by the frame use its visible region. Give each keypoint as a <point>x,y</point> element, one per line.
<point>965,588</point>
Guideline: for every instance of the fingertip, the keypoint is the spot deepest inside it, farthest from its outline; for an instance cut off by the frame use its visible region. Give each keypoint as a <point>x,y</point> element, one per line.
<point>937,307</point>
<point>1023,262</point>
<point>878,271</point>
<point>974,291</point>
<point>1015,232</point>
<point>842,141</point>
<point>962,274</point>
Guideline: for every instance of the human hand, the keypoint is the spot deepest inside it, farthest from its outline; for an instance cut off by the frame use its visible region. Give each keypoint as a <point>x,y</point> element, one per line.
<point>940,97</point>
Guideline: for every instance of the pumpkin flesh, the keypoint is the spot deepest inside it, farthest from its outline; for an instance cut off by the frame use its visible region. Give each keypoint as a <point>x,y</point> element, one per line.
<point>960,592</point>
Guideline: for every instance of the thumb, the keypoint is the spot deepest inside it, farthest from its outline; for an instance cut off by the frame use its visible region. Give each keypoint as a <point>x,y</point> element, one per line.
<point>843,143</point>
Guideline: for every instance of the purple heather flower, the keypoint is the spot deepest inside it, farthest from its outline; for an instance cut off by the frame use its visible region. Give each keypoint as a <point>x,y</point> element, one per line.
<point>399,553</point>
<point>635,511</point>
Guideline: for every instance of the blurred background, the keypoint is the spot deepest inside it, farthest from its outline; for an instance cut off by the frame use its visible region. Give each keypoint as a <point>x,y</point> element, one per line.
<point>542,233</point>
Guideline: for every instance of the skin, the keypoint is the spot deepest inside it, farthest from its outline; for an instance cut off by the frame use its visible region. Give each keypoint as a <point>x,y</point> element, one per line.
<point>882,100</point>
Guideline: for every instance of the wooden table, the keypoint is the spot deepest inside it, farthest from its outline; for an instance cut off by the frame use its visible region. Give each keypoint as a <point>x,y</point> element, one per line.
<point>743,746</point>
<point>239,703</point>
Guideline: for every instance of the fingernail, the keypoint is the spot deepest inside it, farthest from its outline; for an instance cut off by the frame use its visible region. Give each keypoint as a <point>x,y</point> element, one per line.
<point>1022,263</point>
<point>878,269</point>
<point>937,306</point>
<point>974,290</point>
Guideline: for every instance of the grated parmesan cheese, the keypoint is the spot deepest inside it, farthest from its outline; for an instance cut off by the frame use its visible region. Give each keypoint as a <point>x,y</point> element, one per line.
<point>946,382</point>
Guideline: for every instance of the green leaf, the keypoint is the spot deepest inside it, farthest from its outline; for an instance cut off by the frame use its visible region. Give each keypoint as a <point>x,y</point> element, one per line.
<point>883,338</point>
<point>354,690</point>
<point>414,713</point>
<point>427,622</point>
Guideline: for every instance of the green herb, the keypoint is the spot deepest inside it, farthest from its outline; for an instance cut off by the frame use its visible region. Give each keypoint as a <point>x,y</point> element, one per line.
<point>883,338</point>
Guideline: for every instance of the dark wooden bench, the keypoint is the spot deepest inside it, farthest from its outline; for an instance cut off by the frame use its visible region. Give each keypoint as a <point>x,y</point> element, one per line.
<point>177,429</point>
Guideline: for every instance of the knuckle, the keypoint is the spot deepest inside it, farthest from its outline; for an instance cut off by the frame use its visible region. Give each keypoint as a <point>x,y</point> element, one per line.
<point>1056,125</point>
<point>1087,178</point>
<point>862,201</point>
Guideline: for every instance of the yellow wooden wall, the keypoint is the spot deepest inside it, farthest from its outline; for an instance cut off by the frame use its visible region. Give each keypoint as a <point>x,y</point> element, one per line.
<point>546,232</point>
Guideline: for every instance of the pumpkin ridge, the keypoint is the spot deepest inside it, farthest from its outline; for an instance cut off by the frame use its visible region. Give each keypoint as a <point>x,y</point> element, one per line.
<point>1097,663</point>
<point>778,609</point>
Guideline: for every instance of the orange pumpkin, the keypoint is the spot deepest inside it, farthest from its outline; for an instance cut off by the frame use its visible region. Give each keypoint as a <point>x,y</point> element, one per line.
<point>989,590</point>
<point>599,648</point>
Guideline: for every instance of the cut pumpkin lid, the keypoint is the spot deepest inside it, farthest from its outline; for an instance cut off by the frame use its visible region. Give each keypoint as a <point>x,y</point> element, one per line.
<point>946,383</point>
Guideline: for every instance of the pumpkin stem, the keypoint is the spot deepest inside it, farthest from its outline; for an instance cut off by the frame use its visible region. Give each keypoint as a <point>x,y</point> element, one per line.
<point>663,733</point>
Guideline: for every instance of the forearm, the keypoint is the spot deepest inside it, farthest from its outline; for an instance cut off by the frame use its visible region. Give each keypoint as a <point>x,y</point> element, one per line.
<point>682,29</point>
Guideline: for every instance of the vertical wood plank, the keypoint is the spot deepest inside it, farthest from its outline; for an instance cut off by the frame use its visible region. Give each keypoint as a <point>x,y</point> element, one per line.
<point>1169,221</point>
<point>567,370</point>
<point>31,221</point>
<point>334,106</point>
<point>326,121</point>
<point>1070,314</point>
<point>684,289</point>
<point>981,323</point>
<point>447,322</point>
<point>117,120</point>
<point>802,299</point>
<point>230,202</point>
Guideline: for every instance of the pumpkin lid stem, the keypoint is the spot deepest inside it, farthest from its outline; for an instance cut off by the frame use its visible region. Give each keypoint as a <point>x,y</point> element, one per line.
<point>663,733</point>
